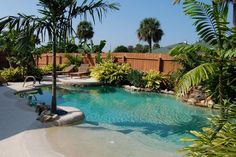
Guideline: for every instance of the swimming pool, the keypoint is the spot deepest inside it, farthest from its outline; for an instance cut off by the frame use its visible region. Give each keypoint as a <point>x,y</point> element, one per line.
<point>151,118</point>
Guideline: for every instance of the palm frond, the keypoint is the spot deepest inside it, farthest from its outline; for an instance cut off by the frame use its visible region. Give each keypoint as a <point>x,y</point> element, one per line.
<point>182,49</point>
<point>99,7</point>
<point>210,20</point>
<point>230,54</point>
<point>195,77</point>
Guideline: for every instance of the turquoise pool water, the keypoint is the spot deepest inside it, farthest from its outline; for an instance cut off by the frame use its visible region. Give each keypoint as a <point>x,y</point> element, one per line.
<point>148,117</point>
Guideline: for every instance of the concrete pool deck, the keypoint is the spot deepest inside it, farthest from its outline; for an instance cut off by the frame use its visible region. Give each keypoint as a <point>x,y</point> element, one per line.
<point>19,128</point>
<point>22,135</point>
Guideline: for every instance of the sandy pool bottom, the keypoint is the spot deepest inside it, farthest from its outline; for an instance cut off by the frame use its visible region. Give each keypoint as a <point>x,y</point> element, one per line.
<point>92,141</point>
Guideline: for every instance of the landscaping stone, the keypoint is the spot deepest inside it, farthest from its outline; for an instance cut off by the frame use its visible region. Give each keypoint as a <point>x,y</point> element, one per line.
<point>201,103</point>
<point>73,116</point>
<point>41,107</point>
<point>167,92</point>
<point>210,103</point>
<point>47,116</point>
<point>192,101</point>
<point>147,89</point>
<point>197,96</point>
<point>133,88</point>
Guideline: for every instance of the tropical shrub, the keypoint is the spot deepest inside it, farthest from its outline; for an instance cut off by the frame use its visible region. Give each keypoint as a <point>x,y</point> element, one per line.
<point>135,78</point>
<point>73,60</point>
<point>154,80</point>
<point>110,73</point>
<point>13,74</point>
<point>47,69</point>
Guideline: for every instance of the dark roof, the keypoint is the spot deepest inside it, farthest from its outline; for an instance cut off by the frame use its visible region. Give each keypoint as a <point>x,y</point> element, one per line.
<point>166,49</point>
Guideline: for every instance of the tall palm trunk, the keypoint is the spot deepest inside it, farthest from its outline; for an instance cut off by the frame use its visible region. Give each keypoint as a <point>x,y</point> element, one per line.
<point>54,75</point>
<point>150,46</point>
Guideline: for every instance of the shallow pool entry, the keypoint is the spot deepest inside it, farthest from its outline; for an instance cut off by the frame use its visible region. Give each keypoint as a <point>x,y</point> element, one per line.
<point>149,117</point>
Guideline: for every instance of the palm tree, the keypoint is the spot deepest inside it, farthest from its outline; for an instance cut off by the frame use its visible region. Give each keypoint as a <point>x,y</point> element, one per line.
<point>56,24</point>
<point>85,31</point>
<point>211,25</point>
<point>150,31</point>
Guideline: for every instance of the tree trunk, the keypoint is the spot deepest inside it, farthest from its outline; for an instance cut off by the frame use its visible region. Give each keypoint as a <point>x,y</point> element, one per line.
<point>150,46</point>
<point>54,76</point>
<point>221,102</point>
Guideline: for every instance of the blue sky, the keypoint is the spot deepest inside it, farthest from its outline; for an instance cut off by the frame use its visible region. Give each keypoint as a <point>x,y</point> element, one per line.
<point>120,27</point>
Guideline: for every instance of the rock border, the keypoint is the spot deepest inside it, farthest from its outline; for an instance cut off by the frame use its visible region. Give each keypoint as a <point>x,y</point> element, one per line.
<point>195,97</point>
<point>138,89</point>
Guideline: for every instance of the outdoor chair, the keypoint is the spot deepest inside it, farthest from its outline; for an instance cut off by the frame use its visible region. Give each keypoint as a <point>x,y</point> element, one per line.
<point>66,70</point>
<point>3,81</point>
<point>83,70</point>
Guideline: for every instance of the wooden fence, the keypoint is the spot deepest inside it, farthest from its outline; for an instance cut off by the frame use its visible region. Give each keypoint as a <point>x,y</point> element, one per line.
<point>140,61</point>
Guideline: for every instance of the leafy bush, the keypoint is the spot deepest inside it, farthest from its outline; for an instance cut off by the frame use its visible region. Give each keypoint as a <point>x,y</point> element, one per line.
<point>155,80</point>
<point>13,74</point>
<point>135,78</point>
<point>110,73</point>
<point>73,60</point>
<point>47,69</point>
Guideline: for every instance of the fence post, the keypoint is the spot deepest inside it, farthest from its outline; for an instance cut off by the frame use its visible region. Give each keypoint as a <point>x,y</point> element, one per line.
<point>37,60</point>
<point>46,59</point>
<point>60,60</point>
<point>161,65</point>
<point>124,59</point>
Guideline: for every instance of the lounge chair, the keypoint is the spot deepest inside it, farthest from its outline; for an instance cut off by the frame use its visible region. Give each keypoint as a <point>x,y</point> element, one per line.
<point>66,70</point>
<point>83,70</point>
<point>3,81</point>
